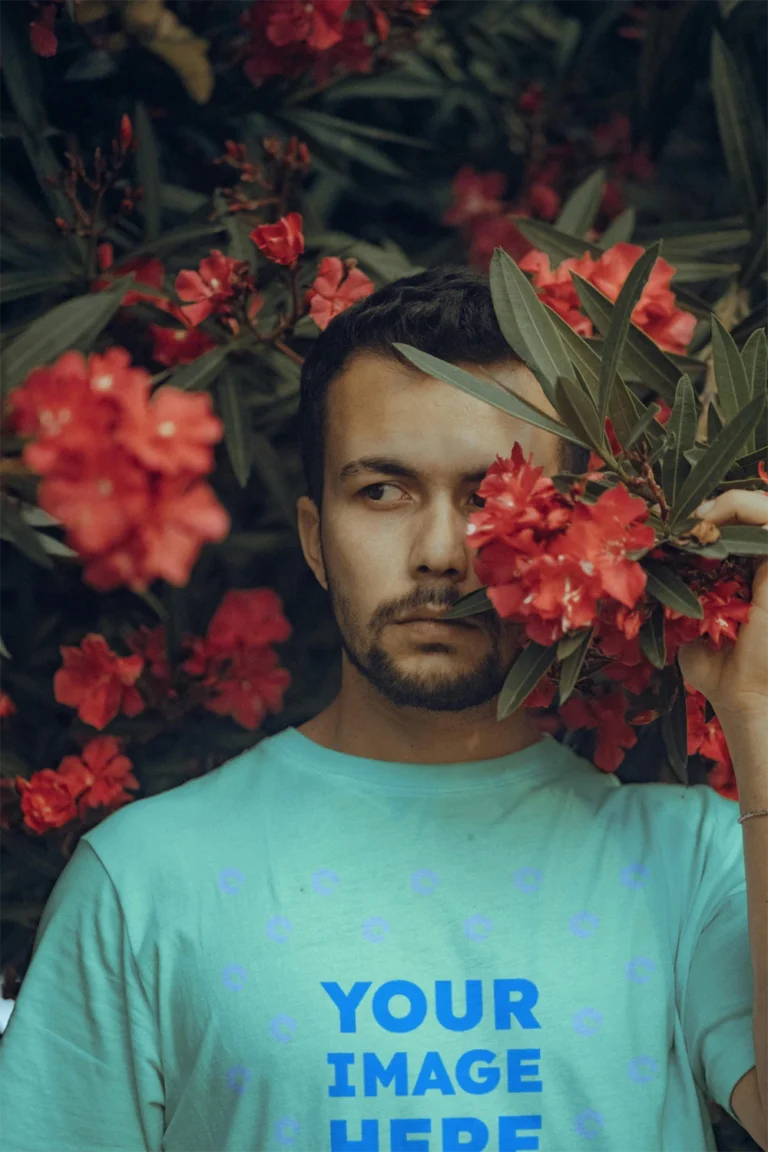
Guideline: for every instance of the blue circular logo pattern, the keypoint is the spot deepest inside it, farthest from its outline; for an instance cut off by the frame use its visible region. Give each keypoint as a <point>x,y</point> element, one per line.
<point>588,1124</point>
<point>642,1069</point>
<point>279,929</point>
<point>639,969</point>
<point>282,1028</point>
<point>325,881</point>
<point>234,976</point>
<point>231,880</point>
<point>375,929</point>
<point>528,879</point>
<point>635,875</point>
<point>587,1021</point>
<point>286,1130</point>
<point>237,1078</point>
<point>584,924</point>
<point>424,881</point>
<point>477,927</point>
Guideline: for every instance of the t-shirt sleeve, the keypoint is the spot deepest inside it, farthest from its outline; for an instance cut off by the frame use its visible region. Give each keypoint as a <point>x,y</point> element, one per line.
<point>715,969</point>
<point>80,1069</point>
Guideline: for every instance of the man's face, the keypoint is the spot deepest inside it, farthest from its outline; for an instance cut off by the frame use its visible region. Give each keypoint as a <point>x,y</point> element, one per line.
<point>404,457</point>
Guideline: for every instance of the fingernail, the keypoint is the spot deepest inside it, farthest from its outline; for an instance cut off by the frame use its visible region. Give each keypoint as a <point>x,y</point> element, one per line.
<point>704,508</point>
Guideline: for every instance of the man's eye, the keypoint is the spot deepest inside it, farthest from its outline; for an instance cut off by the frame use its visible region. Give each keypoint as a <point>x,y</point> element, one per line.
<point>372,489</point>
<point>480,499</point>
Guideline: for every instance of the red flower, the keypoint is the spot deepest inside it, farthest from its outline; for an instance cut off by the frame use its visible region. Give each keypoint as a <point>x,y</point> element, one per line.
<point>98,498</point>
<point>353,53</point>
<point>725,605</point>
<point>635,678</point>
<point>532,98</point>
<point>151,644</point>
<point>126,132</point>
<point>247,617</point>
<point>607,714</point>
<point>544,201</point>
<point>486,233</point>
<point>173,346</point>
<point>174,433</point>
<point>332,293</point>
<point>254,685</point>
<point>99,776</point>
<point>7,706</point>
<point>98,682</point>
<point>211,287</point>
<point>595,461</point>
<point>475,194</point>
<point>41,34</point>
<point>145,269</point>
<point>655,312</point>
<point>282,242</point>
<point>557,290</point>
<point>46,800</point>
<point>762,472</point>
<point>317,23</point>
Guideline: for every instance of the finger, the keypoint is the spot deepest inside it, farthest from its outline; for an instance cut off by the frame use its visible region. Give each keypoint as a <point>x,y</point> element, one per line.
<point>738,505</point>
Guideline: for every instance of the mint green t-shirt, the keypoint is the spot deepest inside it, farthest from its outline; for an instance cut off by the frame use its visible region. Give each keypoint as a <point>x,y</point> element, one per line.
<point>314,951</point>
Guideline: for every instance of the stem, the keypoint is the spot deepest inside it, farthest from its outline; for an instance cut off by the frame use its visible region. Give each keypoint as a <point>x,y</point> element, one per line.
<point>289,352</point>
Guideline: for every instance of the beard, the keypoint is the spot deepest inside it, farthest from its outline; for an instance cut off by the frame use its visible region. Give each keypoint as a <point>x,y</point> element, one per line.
<point>447,691</point>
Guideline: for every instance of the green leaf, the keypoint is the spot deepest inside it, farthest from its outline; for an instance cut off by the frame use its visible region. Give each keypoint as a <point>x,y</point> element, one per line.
<point>642,425</point>
<point>730,376</point>
<point>470,605</point>
<point>620,230</point>
<point>697,244</point>
<point>618,328</point>
<point>641,354</point>
<point>148,172</point>
<point>753,258</point>
<point>525,322</point>
<point>698,272</point>
<point>489,391</point>
<point>532,663</point>
<point>337,124</point>
<point>235,431</point>
<point>19,285</point>
<point>755,360</point>
<point>74,324</point>
<point>16,531</point>
<point>718,459</point>
<point>580,209</point>
<point>748,464</point>
<point>572,665</point>
<point>666,586</point>
<point>266,463</point>
<point>714,423</point>
<point>742,128</point>
<point>682,423</point>
<point>745,539</point>
<point>4,651</point>
<point>577,409</point>
<point>674,723</point>
<point>333,143</point>
<point>570,642</point>
<point>652,641</point>
<point>581,354</point>
<point>557,245</point>
<point>201,372</point>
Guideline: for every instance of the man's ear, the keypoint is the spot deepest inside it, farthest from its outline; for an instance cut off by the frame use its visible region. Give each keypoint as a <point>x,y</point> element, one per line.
<point>309,534</point>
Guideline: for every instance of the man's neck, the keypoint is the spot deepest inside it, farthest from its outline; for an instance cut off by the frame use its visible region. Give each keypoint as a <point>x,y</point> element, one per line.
<point>363,723</point>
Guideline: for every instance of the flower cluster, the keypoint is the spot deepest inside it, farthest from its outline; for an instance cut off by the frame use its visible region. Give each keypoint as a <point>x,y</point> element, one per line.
<point>294,37</point>
<point>121,469</point>
<point>655,312</point>
<point>338,284</point>
<point>98,778</point>
<point>486,219</point>
<point>557,565</point>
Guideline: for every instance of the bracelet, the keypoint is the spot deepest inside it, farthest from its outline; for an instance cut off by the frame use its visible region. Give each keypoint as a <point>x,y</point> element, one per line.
<point>746,816</point>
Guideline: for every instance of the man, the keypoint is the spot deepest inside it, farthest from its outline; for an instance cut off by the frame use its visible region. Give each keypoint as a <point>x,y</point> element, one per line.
<point>403,925</point>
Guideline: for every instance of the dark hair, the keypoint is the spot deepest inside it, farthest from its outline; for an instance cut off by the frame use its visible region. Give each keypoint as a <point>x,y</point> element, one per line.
<point>446,311</point>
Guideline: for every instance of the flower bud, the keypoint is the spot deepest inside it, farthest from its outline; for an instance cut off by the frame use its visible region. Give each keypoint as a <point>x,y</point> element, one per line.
<point>126,132</point>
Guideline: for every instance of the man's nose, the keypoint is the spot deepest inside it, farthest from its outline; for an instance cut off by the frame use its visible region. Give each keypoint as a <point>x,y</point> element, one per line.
<point>440,542</point>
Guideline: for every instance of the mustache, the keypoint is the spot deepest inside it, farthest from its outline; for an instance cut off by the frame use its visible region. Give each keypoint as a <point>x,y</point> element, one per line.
<point>488,621</point>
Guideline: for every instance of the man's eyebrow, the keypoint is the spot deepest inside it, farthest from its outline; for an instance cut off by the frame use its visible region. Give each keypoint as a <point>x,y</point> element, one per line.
<point>391,467</point>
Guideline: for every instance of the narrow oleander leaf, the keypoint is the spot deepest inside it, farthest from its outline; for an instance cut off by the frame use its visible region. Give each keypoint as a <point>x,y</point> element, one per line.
<point>487,390</point>
<point>570,642</point>
<point>682,424</point>
<point>557,245</point>
<point>620,230</point>
<point>651,638</point>
<point>581,354</point>
<point>532,663</point>
<point>666,586</point>
<point>148,172</point>
<point>755,361</point>
<point>753,258</point>
<point>641,355</point>
<point>642,425</point>
<point>201,372</point>
<point>746,465</point>
<point>14,529</point>
<point>236,435</point>
<point>74,324</point>
<point>714,423</point>
<point>618,329</point>
<point>526,323</point>
<point>471,605</point>
<point>572,665</point>
<point>745,539</point>
<point>742,128</point>
<point>580,209</point>
<point>719,457</point>
<point>577,409</point>
<point>674,723</point>
<point>733,388</point>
